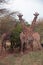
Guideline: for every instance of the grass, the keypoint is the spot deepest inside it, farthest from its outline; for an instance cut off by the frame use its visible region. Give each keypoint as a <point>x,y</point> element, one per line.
<point>32,58</point>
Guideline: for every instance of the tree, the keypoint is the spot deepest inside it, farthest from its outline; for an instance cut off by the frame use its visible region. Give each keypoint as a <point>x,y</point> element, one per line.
<point>39,28</point>
<point>15,35</point>
<point>7,24</point>
<point>7,21</point>
<point>2,1</point>
<point>2,9</point>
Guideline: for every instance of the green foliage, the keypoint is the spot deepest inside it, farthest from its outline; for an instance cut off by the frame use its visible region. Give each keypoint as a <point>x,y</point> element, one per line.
<point>15,35</point>
<point>27,24</point>
<point>39,28</point>
<point>7,25</point>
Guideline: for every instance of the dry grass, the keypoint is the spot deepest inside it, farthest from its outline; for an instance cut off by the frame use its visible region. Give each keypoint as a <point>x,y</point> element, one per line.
<point>31,58</point>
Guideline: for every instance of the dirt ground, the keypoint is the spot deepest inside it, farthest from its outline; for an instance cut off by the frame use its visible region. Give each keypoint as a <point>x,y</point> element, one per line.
<point>28,58</point>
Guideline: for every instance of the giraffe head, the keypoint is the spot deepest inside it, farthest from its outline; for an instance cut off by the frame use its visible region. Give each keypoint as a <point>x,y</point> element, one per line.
<point>20,16</point>
<point>36,14</point>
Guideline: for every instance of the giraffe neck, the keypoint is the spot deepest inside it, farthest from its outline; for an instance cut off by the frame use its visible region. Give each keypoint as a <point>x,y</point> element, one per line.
<point>34,20</point>
<point>33,23</point>
<point>23,25</point>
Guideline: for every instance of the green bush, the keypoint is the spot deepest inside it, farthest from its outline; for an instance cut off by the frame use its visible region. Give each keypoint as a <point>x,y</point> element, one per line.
<point>15,35</point>
<point>39,28</point>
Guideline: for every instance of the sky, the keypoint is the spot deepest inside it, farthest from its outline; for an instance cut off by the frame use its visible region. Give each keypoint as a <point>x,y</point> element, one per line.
<point>26,7</point>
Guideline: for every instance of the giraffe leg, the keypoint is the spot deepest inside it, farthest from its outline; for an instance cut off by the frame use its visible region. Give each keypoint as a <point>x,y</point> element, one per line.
<point>39,45</point>
<point>1,48</point>
<point>27,45</point>
<point>21,48</point>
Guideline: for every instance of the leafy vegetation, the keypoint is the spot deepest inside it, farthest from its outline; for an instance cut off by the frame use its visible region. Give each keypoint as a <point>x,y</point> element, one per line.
<point>15,35</point>
<point>7,23</point>
<point>39,28</point>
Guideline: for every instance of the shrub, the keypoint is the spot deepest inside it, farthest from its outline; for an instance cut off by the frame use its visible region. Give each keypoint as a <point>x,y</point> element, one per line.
<point>15,35</point>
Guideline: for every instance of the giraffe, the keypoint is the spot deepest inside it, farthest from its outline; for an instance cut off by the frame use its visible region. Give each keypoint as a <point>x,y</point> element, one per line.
<point>7,42</point>
<point>25,35</point>
<point>4,39</point>
<point>36,41</point>
<point>28,33</point>
<point>36,35</point>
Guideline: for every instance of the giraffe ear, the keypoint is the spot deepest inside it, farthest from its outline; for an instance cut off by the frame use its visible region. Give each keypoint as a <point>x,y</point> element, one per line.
<point>20,15</point>
<point>36,14</point>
